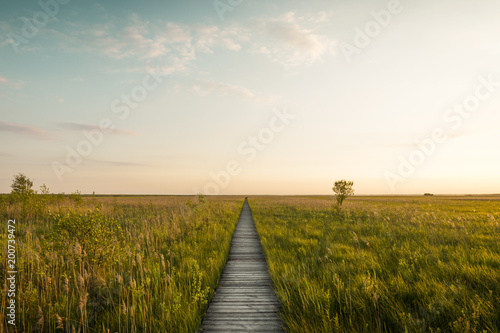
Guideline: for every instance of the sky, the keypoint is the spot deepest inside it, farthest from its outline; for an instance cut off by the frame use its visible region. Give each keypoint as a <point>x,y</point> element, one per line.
<point>251,97</point>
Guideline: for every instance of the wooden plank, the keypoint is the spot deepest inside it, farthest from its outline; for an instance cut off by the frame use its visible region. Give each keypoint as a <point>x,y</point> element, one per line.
<point>244,300</point>
<point>246,326</point>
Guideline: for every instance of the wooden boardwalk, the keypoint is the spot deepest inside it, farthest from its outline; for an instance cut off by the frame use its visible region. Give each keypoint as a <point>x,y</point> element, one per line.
<point>244,300</point>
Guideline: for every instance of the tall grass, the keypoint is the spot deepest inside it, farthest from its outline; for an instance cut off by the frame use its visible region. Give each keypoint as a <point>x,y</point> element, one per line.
<point>123,264</point>
<point>384,264</point>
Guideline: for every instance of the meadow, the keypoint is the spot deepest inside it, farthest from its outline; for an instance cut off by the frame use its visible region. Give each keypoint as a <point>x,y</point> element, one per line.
<point>384,264</point>
<point>151,263</point>
<point>114,264</point>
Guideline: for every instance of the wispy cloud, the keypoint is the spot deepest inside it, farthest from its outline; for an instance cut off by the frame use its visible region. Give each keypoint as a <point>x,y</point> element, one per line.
<point>210,37</point>
<point>418,143</point>
<point>173,44</point>
<point>6,82</point>
<point>203,87</point>
<point>114,163</point>
<point>70,126</point>
<point>459,134</point>
<point>30,131</point>
<point>287,40</point>
<point>290,39</point>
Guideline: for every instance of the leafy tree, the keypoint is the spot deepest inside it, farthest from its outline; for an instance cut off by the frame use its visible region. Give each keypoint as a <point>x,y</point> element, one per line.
<point>343,189</point>
<point>22,185</point>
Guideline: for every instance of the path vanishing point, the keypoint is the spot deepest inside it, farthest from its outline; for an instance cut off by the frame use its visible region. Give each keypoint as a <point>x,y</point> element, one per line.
<point>244,300</point>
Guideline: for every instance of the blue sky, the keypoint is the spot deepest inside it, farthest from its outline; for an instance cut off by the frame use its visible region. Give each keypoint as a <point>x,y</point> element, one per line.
<point>247,97</point>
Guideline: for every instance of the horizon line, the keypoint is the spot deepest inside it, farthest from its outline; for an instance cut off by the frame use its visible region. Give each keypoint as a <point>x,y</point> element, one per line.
<point>282,195</point>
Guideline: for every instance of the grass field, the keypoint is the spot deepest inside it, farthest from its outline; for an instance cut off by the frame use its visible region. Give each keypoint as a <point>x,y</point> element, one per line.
<point>384,264</point>
<point>151,263</point>
<point>115,264</point>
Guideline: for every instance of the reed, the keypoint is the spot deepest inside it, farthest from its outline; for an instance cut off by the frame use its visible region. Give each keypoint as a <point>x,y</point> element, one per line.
<point>123,264</point>
<point>384,264</point>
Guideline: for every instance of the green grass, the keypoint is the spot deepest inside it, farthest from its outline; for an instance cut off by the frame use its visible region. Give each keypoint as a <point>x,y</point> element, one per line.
<point>151,263</point>
<point>123,264</point>
<point>384,264</point>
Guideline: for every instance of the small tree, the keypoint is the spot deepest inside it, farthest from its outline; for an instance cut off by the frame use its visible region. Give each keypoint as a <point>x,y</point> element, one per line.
<point>342,189</point>
<point>21,185</point>
<point>44,190</point>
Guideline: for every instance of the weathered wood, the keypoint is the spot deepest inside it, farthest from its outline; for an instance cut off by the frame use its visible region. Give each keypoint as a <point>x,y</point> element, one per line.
<point>244,300</point>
